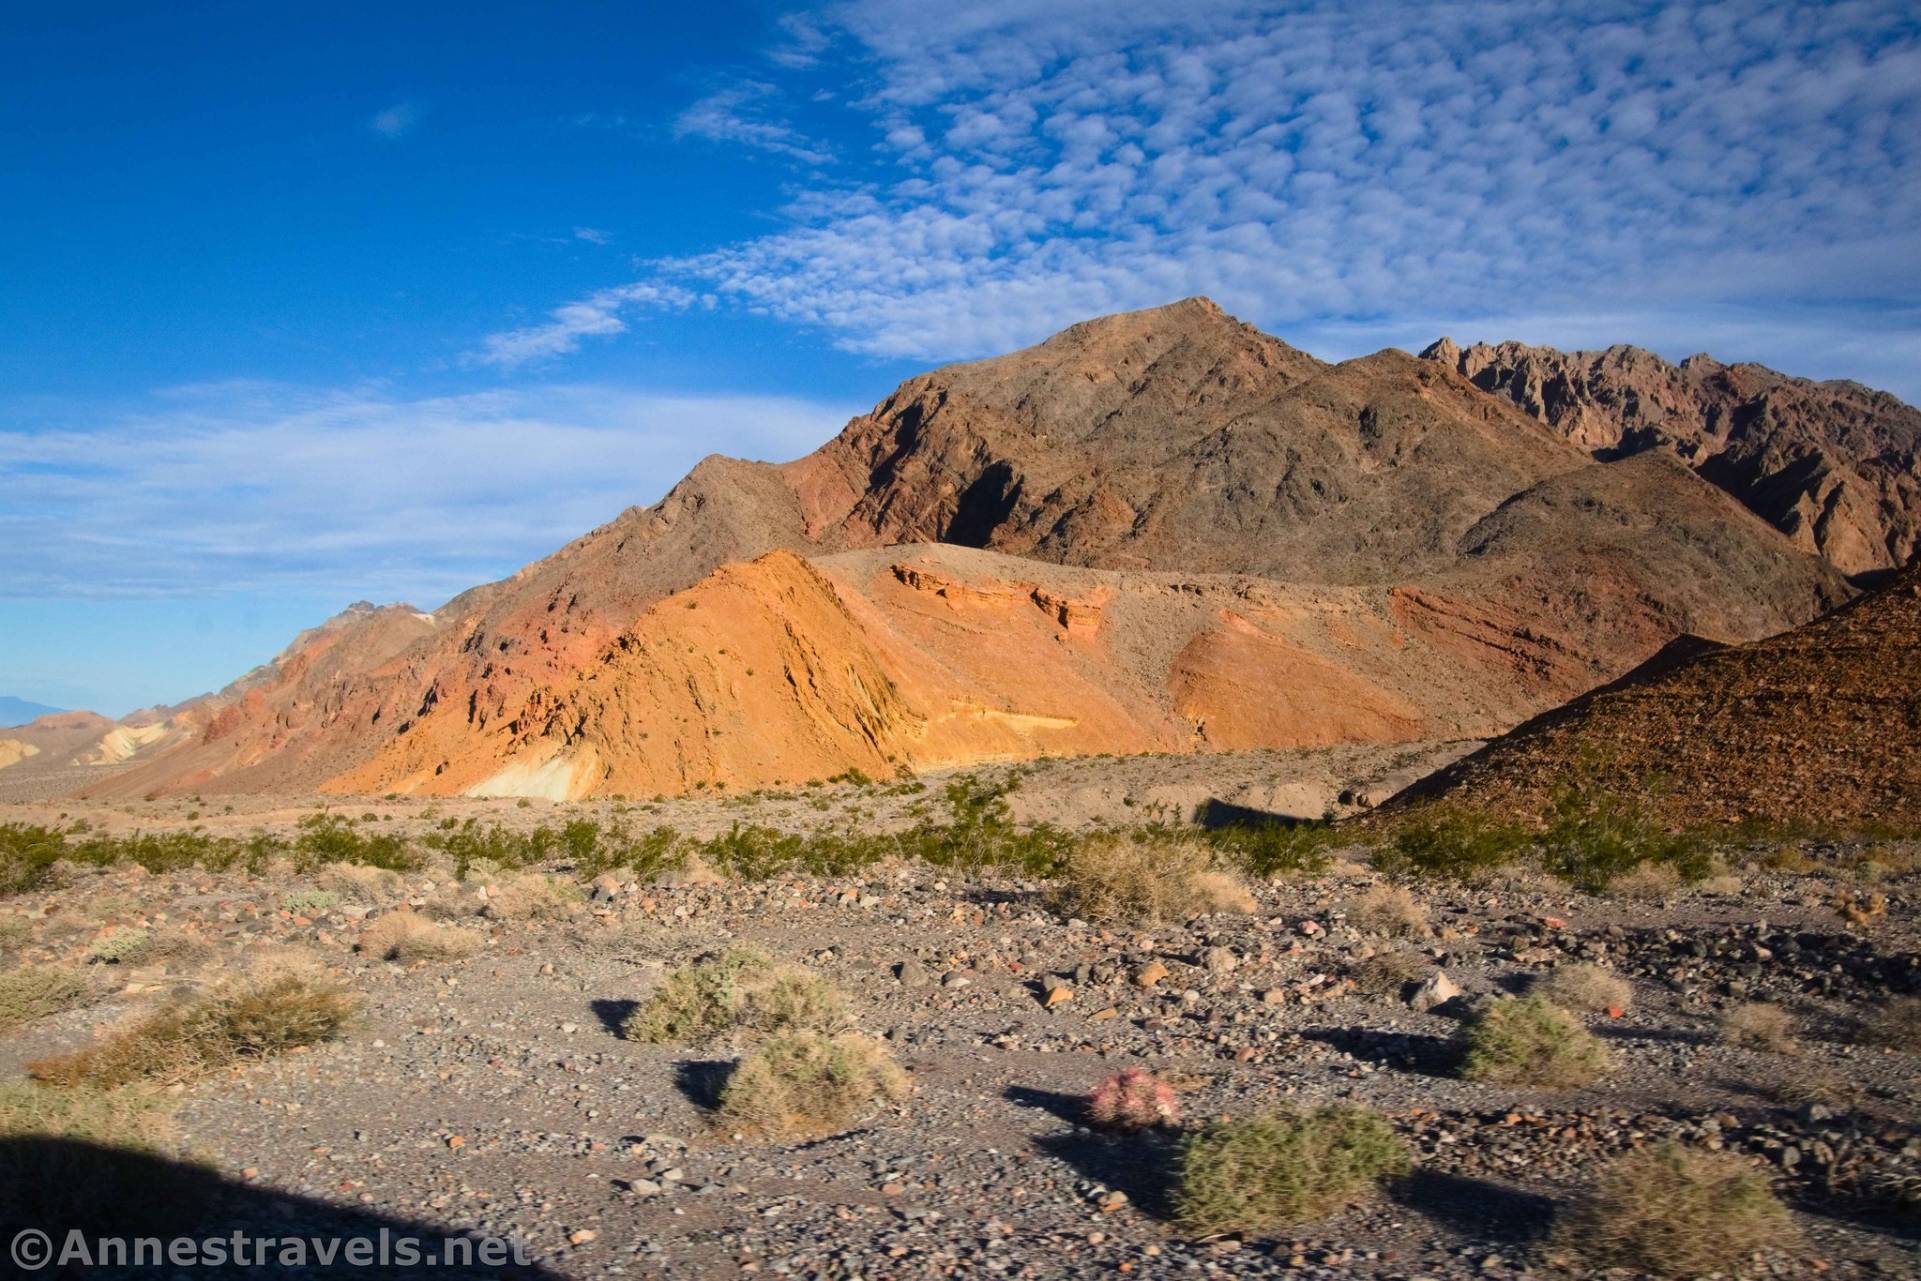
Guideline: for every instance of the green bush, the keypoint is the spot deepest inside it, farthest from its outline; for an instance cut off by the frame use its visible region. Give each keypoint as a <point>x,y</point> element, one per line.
<point>1531,1041</point>
<point>1674,1212</point>
<point>807,1082</point>
<point>33,992</point>
<point>1283,1167</point>
<point>741,989</point>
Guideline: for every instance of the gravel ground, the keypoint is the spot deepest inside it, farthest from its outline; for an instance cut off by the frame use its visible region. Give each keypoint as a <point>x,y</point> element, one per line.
<point>495,1095</point>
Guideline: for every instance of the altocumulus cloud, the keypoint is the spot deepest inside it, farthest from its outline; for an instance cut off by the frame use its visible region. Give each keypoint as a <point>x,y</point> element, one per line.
<point>240,487</point>
<point>1350,168</point>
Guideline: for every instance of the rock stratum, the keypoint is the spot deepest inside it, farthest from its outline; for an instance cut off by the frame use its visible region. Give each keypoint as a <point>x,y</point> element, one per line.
<point>1158,531</point>
<point>1820,723</point>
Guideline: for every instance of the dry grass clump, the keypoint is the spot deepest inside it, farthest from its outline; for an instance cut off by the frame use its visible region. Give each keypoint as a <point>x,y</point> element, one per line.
<point>534,896</point>
<point>1283,1167</point>
<point>35,991</point>
<point>175,1044</point>
<point>1390,973</point>
<point>1758,1026</point>
<point>807,1082</point>
<point>1896,1025</point>
<point>1145,879</point>
<point>311,902</point>
<point>1651,881</point>
<point>1133,1099</point>
<point>360,882</point>
<point>1673,1211</point>
<point>1586,989</point>
<point>1388,909</point>
<point>1531,1041</point>
<point>409,936</point>
<point>738,990</point>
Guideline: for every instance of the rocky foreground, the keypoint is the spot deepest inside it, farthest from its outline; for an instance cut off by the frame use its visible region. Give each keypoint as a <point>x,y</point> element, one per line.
<point>496,1093</point>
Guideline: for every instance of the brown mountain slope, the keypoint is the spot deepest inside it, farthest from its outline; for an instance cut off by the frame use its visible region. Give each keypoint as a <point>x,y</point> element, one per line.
<point>780,671</point>
<point>1175,439</point>
<point>1820,722</point>
<point>1834,465</point>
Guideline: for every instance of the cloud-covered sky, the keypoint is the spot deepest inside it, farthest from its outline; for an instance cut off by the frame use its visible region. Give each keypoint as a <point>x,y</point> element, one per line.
<point>302,309</point>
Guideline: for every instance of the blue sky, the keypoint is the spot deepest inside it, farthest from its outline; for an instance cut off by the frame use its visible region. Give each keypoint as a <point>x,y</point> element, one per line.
<point>303,304</point>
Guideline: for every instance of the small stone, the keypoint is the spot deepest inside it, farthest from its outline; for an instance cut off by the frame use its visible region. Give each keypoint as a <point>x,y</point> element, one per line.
<point>911,973</point>
<point>456,1142</point>
<point>1058,996</point>
<point>1220,960</point>
<point>1150,974</point>
<point>581,1236</point>
<point>1438,990</point>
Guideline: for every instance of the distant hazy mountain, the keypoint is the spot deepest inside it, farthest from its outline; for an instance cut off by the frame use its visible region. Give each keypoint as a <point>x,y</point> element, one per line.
<point>18,711</point>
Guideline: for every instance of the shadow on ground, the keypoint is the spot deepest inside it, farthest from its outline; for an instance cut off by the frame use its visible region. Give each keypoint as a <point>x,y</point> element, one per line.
<point>613,1014</point>
<point>1407,1051</point>
<point>87,1197</point>
<point>1478,1208</point>
<point>702,1080</point>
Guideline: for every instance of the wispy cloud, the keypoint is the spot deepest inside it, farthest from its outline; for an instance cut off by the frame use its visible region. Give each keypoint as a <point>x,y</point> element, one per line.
<point>395,122</point>
<point>261,487</point>
<point>597,315</point>
<point>594,235</point>
<point>1346,165</point>
<point>740,114</point>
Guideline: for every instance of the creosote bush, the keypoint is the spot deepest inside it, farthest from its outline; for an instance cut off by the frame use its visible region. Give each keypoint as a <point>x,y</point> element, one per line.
<point>1283,1167</point>
<point>1531,1041</point>
<point>34,992</point>
<point>1674,1211</point>
<point>409,936</point>
<point>1133,1099</point>
<point>252,1021</point>
<point>1391,973</point>
<point>809,1082</point>
<point>1585,988</point>
<point>1758,1026</point>
<point>1146,878</point>
<point>739,990</point>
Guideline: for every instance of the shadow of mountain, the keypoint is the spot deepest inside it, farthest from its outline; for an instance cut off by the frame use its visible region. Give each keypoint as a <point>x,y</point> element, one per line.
<point>1214,813</point>
<point>613,1014</point>
<point>1480,1208</point>
<point>149,1204</point>
<point>1408,1051</point>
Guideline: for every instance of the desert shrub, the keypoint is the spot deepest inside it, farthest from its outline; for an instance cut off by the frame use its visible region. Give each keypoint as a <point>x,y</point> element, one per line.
<point>809,1082</point>
<point>409,936</point>
<point>532,896</point>
<point>330,838</point>
<point>473,842</point>
<point>1217,891</point>
<point>1586,989</point>
<point>1274,849</point>
<point>1531,1041</point>
<point>359,882</point>
<point>311,902</point>
<point>34,992</point>
<point>1145,877</point>
<point>595,850</point>
<point>178,1043</point>
<point>1283,1167</point>
<point>27,856</point>
<point>1759,1026</point>
<point>1596,835</point>
<point>1672,1211</point>
<point>738,990</point>
<point>1451,840</point>
<point>1388,909</point>
<point>1649,881</point>
<point>1390,973</point>
<point>1896,1025</point>
<point>125,946</point>
<point>1133,1099</point>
